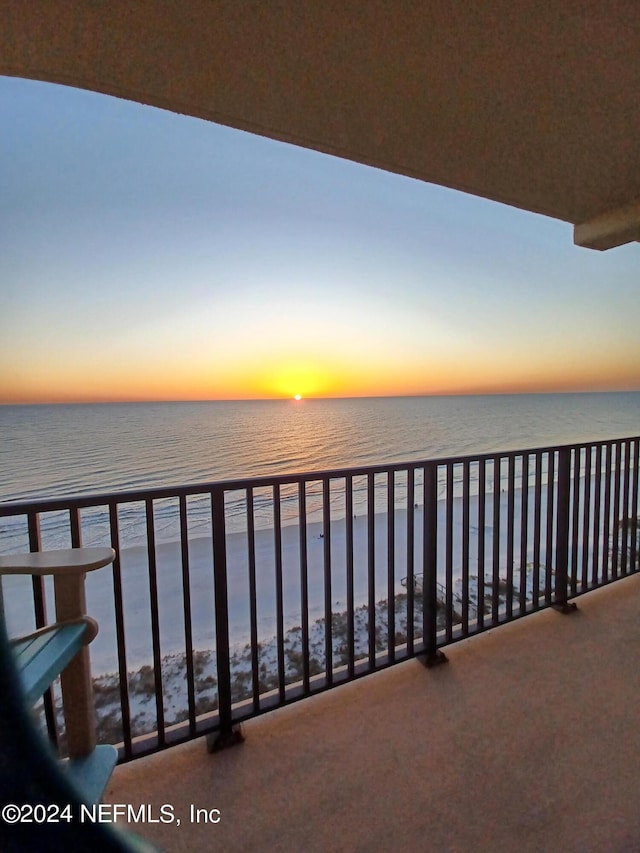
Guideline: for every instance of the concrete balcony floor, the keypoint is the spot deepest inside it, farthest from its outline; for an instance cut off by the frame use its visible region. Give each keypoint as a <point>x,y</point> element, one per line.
<point>528,740</point>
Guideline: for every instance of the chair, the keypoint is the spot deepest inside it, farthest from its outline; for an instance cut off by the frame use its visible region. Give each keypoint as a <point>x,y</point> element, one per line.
<point>32,782</point>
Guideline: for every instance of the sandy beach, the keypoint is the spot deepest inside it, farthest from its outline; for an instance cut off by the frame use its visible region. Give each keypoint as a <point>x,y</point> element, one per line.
<point>136,587</point>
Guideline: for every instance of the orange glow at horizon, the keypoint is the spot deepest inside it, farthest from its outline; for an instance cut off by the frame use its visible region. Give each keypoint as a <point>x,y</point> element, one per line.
<point>383,374</point>
<point>153,367</point>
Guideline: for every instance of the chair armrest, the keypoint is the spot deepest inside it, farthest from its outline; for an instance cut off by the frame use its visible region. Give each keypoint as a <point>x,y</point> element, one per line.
<point>71,561</point>
<point>43,655</point>
<point>89,635</point>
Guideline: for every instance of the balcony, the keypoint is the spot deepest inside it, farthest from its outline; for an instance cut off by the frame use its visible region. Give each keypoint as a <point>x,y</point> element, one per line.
<point>240,598</point>
<point>527,740</point>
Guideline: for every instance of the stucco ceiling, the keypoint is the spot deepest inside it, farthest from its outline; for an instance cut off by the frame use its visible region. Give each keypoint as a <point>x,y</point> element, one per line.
<point>535,104</point>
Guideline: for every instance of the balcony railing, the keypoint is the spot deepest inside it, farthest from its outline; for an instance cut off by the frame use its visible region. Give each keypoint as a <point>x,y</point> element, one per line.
<point>228,600</point>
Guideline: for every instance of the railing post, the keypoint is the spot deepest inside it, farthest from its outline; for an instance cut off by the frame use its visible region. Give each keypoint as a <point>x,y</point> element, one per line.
<point>560,594</point>
<point>227,734</point>
<point>433,656</point>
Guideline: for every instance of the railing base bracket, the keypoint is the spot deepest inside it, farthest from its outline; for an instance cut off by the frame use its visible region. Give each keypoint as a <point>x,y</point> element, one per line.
<point>218,742</point>
<point>566,607</point>
<point>435,659</point>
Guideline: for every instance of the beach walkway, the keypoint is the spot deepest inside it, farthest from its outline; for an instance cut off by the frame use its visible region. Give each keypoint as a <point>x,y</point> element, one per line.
<point>528,740</point>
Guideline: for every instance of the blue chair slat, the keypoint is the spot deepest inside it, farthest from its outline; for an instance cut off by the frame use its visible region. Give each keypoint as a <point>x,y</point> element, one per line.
<point>90,774</point>
<point>42,658</point>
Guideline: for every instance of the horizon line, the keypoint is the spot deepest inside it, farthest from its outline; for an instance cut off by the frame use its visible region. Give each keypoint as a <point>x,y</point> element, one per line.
<point>303,399</point>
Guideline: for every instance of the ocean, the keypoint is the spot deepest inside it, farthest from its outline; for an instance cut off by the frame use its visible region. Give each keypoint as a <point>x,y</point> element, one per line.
<point>63,450</point>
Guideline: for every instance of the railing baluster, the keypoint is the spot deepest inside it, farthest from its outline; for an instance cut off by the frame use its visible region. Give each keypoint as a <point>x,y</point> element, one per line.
<point>562,531</point>
<point>586,509</point>
<point>155,623</point>
<point>624,521</point>
<point>37,581</point>
<point>371,568</point>
<point>524,531</point>
<point>277,526</point>
<point>253,600</point>
<point>549,569</point>
<point>575,518</point>
<point>410,558</point>
<point>349,559</point>
<point>40,614</point>
<point>123,680</point>
<point>537,530</point>
<point>606,556</point>
<point>482,515</point>
<point>465,546</point>
<point>74,526</point>
<point>391,571</point>
<point>304,584</point>
<point>186,612</point>
<point>511,487</point>
<point>598,569</point>
<point>495,589</point>
<point>328,617</point>
<point>635,510</point>
<point>615,535</point>
<point>449,554</point>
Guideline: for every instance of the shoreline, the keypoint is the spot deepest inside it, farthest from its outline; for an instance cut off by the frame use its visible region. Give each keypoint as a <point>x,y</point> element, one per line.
<point>95,529</point>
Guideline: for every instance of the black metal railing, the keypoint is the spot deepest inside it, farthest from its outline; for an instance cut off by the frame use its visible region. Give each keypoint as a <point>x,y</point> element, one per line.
<point>231,599</point>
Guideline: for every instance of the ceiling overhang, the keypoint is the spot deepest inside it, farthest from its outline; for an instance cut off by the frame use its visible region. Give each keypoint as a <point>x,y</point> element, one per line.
<point>532,104</point>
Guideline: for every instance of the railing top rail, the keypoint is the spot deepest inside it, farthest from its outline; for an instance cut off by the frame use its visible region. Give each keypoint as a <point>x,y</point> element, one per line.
<point>11,508</point>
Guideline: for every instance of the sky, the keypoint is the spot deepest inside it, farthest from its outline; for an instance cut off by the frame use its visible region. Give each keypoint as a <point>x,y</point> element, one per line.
<point>146,255</point>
